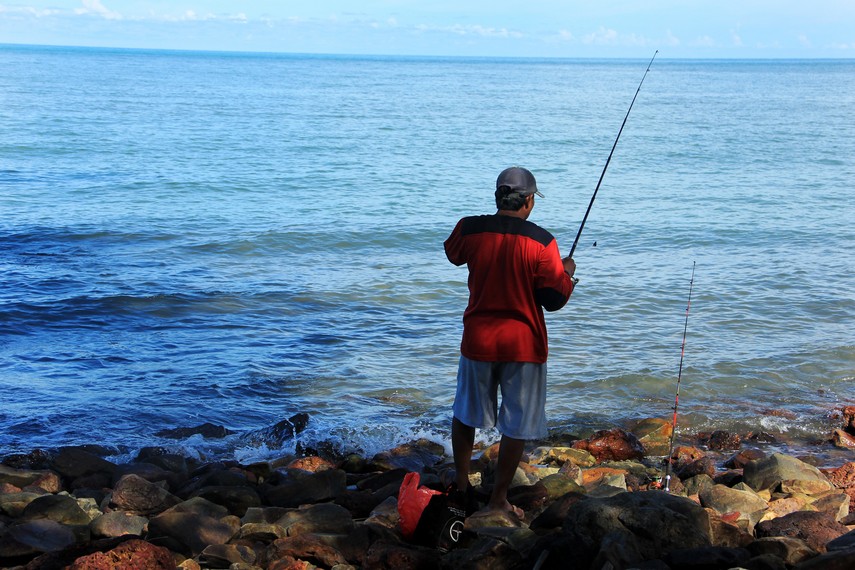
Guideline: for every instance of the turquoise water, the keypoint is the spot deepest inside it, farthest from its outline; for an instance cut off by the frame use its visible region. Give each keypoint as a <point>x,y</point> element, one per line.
<point>234,238</point>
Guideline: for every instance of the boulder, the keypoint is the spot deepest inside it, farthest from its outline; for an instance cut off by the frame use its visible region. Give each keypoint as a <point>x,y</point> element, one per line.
<point>226,555</point>
<point>130,555</point>
<point>301,488</point>
<point>135,494</point>
<point>236,499</point>
<point>413,456</point>
<point>74,462</point>
<point>43,535</point>
<point>627,529</point>
<point>118,523</point>
<point>206,430</point>
<point>612,445</point>
<point>319,518</point>
<point>308,547</point>
<point>654,434</point>
<point>727,500</point>
<point>191,533</point>
<point>43,479</point>
<point>63,509</point>
<point>790,550</point>
<point>814,528</point>
<point>768,473</point>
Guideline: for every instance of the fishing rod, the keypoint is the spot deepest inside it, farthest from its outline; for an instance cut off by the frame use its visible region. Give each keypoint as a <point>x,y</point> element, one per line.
<point>603,173</point>
<point>677,395</point>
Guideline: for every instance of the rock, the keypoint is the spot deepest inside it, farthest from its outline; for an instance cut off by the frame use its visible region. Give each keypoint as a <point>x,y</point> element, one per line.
<point>275,435</point>
<point>555,513</point>
<point>844,478</point>
<point>727,533</point>
<point>206,430</point>
<point>702,466</point>
<point>628,528</point>
<point>189,532</point>
<point>63,509</point>
<point>225,555</point>
<point>118,523</point>
<point>529,497</point>
<point>560,484</point>
<point>768,473</point>
<point>262,532</point>
<point>43,535</point>
<point>836,503</point>
<point>308,547</point>
<point>384,555</point>
<point>726,500</point>
<point>707,557</point>
<point>654,434</point>
<point>304,488</point>
<point>130,555</point>
<point>790,550</point>
<point>836,560</point>
<point>697,484</point>
<point>720,440</point>
<point>43,479</point>
<point>413,456</point>
<point>311,464</point>
<point>74,462</point>
<point>135,494</point>
<point>319,518</point>
<point>612,445</point>
<point>13,504</point>
<point>486,552</point>
<point>815,528</point>
<point>843,439</point>
<point>743,456</point>
<point>236,499</point>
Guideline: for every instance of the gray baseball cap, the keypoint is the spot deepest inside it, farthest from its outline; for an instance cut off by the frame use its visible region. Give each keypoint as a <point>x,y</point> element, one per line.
<point>517,179</point>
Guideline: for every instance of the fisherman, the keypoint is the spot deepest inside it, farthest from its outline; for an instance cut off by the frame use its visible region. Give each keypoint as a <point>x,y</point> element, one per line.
<point>515,272</point>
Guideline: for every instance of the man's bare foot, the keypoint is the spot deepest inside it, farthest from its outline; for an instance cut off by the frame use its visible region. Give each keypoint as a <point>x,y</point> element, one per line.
<point>506,508</point>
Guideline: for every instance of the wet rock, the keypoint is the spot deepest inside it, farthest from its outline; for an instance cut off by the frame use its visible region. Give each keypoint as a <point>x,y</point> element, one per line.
<point>206,430</point>
<point>555,513</point>
<point>721,440</point>
<point>848,414</point>
<point>697,484</point>
<point>311,464</point>
<point>843,439</point>
<point>702,466</point>
<point>262,532</point>
<point>485,553</point>
<point>740,458</point>
<point>612,445</point>
<point>74,462</point>
<point>559,484</point>
<point>836,503</point>
<point>130,555</point>
<point>135,494</point>
<point>768,473</point>
<point>654,434</point>
<point>413,456</point>
<point>118,523</point>
<point>815,528</point>
<point>275,435</point>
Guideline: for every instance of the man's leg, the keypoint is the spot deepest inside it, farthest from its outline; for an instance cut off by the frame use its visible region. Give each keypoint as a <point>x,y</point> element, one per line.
<point>462,442</point>
<point>510,453</point>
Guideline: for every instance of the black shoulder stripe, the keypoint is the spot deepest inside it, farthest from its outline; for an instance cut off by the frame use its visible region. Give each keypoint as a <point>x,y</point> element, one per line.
<point>505,225</point>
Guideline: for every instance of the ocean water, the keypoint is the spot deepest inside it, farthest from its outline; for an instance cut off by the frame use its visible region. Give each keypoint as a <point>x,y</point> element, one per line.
<point>236,238</point>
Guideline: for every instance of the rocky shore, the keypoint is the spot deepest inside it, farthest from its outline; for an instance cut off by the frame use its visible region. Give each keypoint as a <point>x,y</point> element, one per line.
<point>596,503</point>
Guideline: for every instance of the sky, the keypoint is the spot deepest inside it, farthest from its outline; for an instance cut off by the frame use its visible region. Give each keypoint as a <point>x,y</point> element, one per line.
<point>492,28</point>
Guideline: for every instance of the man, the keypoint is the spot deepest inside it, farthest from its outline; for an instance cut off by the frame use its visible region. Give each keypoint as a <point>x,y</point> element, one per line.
<point>515,272</point>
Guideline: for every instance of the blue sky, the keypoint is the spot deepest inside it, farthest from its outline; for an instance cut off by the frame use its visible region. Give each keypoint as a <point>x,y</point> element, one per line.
<point>550,28</point>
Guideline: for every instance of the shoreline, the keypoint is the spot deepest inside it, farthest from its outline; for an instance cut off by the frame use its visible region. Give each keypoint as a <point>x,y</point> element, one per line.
<point>67,508</point>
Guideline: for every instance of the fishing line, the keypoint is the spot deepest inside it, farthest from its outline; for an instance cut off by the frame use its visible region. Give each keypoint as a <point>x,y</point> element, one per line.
<point>679,377</point>
<point>609,159</point>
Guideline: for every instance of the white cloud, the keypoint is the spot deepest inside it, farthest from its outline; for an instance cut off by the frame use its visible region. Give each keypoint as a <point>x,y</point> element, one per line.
<point>95,7</point>
<point>804,41</point>
<point>601,37</point>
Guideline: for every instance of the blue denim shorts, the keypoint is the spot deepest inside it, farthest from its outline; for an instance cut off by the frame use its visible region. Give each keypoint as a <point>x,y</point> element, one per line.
<point>522,414</point>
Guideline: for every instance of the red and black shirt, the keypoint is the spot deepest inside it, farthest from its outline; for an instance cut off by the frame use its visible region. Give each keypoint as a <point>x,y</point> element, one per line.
<point>515,272</point>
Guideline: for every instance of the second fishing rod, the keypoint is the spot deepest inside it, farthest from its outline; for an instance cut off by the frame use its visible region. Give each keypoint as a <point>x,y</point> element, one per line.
<point>608,160</point>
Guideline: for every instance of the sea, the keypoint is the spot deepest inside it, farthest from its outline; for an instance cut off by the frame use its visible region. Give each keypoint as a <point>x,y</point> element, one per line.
<point>237,238</point>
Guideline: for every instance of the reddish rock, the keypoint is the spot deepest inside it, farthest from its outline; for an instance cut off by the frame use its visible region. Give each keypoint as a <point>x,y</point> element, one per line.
<point>721,440</point>
<point>702,466</point>
<point>388,556</point>
<point>311,464</point>
<point>612,445</point>
<point>130,555</point>
<point>849,419</point>
<point>843,439</point>
<point>740,458</point>
<point>816,529</point>
<point>135,494</point>
<point>308,547</point>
